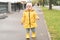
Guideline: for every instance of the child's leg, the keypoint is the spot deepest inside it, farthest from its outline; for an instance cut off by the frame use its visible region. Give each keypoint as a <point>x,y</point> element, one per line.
<point>33,32</point>
<point>28,33</point>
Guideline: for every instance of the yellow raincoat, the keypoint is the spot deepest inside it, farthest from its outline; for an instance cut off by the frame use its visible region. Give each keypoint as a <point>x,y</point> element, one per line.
<point>29,21</point>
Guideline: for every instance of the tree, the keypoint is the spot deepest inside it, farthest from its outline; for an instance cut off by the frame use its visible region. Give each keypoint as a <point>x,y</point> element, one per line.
<point>43,3</point>
<point>50,4</point>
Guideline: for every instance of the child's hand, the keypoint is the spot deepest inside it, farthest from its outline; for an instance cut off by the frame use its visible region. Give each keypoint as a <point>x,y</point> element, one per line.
<point>21,23</point>
<point>38,19</point>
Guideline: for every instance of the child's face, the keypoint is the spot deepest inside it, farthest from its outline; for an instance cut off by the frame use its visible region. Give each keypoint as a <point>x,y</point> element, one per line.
<point>29,7</point>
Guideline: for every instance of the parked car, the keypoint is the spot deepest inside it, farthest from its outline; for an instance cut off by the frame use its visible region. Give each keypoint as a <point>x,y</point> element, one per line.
<point>3,15</point>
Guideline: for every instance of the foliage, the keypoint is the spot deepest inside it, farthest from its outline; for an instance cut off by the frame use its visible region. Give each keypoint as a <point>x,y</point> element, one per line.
<point>52,18</point>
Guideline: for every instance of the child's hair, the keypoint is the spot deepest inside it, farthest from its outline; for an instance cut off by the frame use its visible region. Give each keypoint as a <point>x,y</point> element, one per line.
<point>30,4</point>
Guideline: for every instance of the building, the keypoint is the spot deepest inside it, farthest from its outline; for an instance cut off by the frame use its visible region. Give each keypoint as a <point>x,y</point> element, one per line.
<point>11,6</point>
<point>3,7</point>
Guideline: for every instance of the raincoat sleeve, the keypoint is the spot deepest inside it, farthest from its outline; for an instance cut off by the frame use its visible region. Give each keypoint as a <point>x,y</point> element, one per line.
<point>23,18</point>
<point>36,15</point>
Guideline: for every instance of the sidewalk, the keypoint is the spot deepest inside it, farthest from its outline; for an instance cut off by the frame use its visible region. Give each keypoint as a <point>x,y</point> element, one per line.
<point>11,29</point>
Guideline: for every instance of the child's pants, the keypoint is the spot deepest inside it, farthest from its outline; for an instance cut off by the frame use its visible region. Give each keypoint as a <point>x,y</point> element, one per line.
<point>28,32</point>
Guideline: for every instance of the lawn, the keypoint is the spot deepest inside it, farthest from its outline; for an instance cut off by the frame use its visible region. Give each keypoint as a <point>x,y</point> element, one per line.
<point>52,18</point>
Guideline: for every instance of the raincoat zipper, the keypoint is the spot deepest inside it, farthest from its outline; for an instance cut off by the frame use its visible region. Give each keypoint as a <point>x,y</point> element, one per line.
<point>29,19</point>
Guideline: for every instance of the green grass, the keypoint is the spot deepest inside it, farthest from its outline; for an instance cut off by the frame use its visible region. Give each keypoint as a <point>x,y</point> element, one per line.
<point>52,18</point>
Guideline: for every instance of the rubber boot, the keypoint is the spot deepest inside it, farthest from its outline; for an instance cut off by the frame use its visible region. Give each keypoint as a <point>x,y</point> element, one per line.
<point>28,35</point>
<point>33,36</point>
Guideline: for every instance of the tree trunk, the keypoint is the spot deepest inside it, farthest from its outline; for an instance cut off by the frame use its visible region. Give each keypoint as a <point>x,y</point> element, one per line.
<point>50,4</point>
<point>43,3</point>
